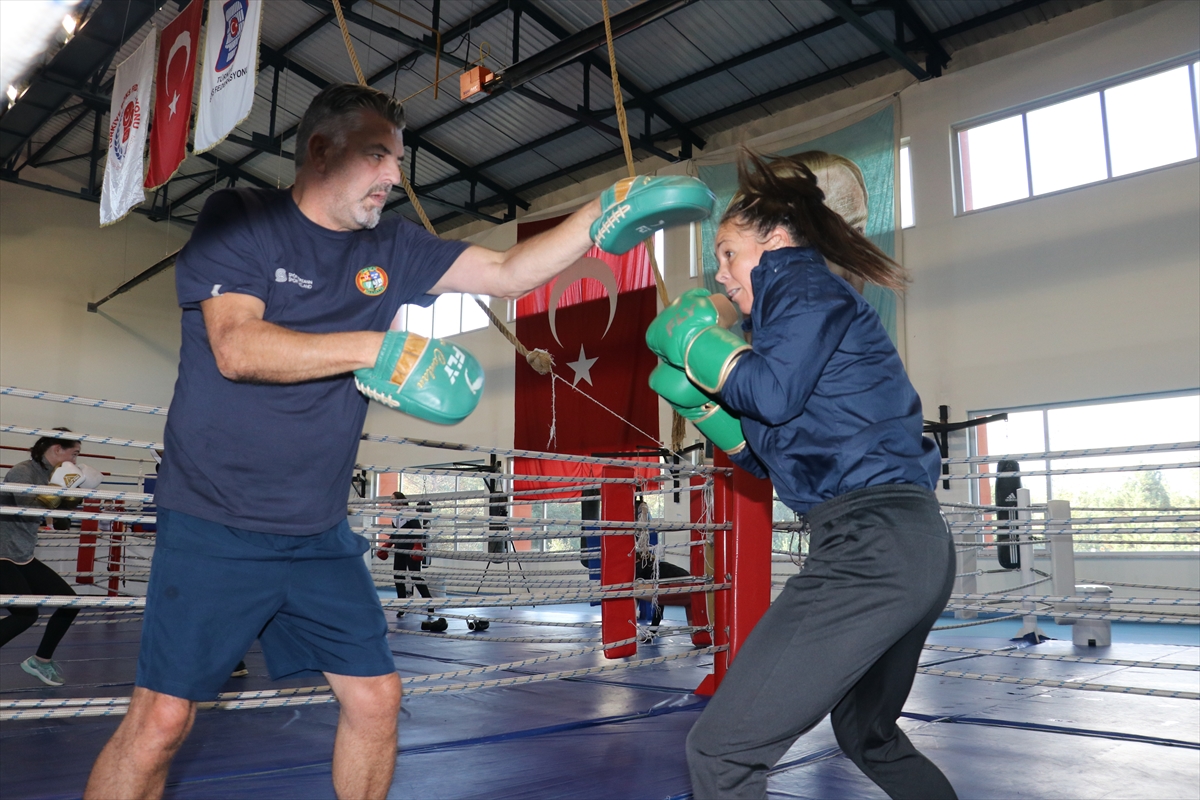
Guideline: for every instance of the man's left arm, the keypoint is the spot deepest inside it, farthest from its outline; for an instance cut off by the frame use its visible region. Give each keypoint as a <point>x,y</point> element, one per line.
<point>525,266</point>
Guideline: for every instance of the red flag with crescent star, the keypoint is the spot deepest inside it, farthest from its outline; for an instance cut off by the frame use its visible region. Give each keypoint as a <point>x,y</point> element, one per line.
<point>592,319</point>
<point>176,77</point>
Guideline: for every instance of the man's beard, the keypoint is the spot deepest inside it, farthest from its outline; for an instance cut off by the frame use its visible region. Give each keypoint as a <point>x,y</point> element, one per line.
<point>367,216</point>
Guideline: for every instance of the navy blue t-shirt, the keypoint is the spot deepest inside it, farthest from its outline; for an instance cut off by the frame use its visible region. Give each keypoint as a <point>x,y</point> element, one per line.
<point>278,458</point>
<point>825,403</point>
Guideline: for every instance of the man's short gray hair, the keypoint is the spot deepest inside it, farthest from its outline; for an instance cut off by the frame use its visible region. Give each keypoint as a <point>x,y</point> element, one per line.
<point>329,112</point>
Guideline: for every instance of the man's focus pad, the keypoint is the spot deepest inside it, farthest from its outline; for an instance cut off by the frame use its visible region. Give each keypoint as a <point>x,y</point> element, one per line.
<point>676,325</point>
<point>723,429</point>
<point>634,208</point>
<point>432,379</point>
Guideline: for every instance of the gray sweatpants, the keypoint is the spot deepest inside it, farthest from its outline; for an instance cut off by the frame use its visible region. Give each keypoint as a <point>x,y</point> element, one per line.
<point>843,637</point>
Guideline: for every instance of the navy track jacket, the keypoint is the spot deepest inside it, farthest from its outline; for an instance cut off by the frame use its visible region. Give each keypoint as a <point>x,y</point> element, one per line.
<point>825,403</point>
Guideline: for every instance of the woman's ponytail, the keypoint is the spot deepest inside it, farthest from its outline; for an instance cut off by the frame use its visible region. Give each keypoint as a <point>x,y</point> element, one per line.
<point>784,193</point>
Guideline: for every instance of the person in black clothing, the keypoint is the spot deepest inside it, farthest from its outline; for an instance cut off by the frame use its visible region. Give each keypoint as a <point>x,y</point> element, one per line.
<point>645,564</point>
<point>404,539</point>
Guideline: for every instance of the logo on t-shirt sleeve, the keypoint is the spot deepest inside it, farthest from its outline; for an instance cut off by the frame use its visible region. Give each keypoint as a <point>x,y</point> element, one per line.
<point>371,281</point>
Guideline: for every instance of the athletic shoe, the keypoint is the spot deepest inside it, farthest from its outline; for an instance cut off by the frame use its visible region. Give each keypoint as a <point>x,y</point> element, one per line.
<point>240,670</point>
<point>45,671</point>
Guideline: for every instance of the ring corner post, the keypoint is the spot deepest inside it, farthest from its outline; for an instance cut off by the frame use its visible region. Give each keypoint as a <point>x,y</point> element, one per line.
<point>619,615</point>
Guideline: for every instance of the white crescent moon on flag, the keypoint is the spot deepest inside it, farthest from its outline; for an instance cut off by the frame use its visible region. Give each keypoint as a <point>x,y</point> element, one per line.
<point>184,40</point>
<point>584,268</point>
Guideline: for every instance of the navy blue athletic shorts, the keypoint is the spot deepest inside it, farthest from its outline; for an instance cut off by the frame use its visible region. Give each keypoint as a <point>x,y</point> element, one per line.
<point>213,589</point>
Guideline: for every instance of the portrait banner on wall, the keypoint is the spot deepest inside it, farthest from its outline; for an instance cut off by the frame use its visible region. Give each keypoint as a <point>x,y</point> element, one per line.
<point>129,117</point>
<point>230,69</point>
<point>870,144</point>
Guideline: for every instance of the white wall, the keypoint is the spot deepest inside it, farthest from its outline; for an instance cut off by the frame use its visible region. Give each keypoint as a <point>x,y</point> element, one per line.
<point>1091,293</point>
<point>54,259</point>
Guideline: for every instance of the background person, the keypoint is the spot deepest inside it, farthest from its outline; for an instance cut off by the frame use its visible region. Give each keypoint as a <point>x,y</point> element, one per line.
<point>51,462</point>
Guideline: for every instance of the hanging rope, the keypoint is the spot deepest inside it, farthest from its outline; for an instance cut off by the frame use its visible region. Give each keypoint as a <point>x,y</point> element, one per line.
<point>540,360</point>
<point>678,426</point>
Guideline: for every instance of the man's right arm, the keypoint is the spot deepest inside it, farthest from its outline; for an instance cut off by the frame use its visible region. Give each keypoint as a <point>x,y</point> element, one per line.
<point>249,349</point>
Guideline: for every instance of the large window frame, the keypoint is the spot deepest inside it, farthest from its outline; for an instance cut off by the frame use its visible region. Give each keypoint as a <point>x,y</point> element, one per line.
<point>1064,486</point>
<point>1021,110</point>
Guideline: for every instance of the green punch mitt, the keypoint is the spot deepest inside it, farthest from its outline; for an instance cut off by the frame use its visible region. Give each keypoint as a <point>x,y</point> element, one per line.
<point>431,379</point>
<point>723,429</point>
<point>634,208</point>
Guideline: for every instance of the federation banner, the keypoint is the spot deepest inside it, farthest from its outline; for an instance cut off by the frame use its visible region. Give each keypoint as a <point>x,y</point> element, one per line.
<point>129,116</point>
<point>230,69</point>
<point>176,78</point>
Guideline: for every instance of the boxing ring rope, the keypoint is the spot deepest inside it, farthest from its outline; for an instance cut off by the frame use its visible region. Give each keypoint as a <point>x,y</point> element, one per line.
<point>449,527</point>
<point>1015,652</point>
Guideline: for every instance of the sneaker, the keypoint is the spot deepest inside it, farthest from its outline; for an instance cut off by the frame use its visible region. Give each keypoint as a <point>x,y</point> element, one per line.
<point>240,670</point>
<point>45,671</point>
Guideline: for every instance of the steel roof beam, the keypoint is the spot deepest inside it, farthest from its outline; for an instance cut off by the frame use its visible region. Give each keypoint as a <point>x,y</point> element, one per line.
<point>35,159</point>
<point>936,56</point>
<point>781,91</point>
<point>593,122</point>
<point>278,59</point>
<point>579,44</point>
<point>847,12</point>
<point>110,27</point>
<point>642,95</point>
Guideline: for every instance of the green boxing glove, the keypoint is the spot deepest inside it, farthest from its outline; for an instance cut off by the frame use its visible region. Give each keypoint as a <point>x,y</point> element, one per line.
<point>431,379</point>
<point>634,208</point>
<point>690,334</point>
<point>723,429</point>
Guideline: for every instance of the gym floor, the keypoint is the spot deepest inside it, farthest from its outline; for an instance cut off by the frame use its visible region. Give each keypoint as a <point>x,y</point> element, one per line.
<point>621,734</point>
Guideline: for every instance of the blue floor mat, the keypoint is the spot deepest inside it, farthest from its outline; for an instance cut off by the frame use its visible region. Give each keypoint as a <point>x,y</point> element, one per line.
<point>621,734</point>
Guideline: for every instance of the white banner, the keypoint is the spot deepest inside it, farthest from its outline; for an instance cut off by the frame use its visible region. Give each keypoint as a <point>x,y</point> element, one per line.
<point>129,119</point>
<point>230,69</point>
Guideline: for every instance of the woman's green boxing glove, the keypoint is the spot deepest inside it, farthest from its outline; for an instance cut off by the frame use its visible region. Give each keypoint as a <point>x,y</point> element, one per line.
<point>723,429</point>
<point>690,334</point>
<point>432,379</point>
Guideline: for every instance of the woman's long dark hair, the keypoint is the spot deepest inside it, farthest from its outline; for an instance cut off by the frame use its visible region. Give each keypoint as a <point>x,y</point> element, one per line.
<point>783,193</point>
<point>44,443</point>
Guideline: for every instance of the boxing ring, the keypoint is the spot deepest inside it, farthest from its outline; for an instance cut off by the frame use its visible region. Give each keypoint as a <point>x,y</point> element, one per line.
<point>1040,680</point>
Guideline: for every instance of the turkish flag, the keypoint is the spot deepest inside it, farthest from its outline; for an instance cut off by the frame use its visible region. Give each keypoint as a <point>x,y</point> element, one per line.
<point>176,77</point>
<point>592,320</point>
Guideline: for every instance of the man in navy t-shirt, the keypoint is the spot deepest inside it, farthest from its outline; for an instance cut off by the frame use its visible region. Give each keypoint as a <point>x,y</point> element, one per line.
<point>285,293</point>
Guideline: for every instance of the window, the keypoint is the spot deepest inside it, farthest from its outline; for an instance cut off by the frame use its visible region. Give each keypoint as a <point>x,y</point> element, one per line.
<point>1110,424</point>
<point>660,252</point>
<point>906,188</point>
<point>450,314</point>
<point>1106,132</point>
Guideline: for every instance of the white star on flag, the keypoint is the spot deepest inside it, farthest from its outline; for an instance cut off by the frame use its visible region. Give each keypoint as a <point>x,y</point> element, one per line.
<point>582,367</point>
<point>174,100</point>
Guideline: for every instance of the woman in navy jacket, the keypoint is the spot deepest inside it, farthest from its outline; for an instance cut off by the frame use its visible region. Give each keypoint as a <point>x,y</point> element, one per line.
<point>828,414</point>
